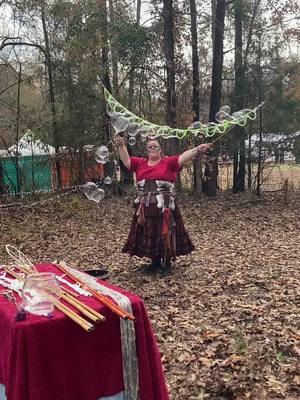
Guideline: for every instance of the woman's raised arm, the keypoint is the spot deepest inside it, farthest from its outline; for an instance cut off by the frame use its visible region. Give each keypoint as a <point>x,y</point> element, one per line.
<point>122,151</point>
<point>192,153</point>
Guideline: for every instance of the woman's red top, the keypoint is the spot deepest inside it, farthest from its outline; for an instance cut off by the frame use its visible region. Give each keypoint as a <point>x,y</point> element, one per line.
<point>165,170</point>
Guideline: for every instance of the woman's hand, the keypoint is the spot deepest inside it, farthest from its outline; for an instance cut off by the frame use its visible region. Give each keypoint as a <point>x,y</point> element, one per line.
<point>119,141</point>
<point>204,148</point>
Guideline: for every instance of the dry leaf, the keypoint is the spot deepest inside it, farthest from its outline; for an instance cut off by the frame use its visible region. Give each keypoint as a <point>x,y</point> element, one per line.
<point>234,300</point>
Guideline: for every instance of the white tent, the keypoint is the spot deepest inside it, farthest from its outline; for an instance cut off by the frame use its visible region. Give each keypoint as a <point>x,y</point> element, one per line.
<point>27,146</point>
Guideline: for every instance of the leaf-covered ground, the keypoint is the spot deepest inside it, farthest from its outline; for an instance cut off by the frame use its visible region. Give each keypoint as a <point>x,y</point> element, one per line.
<point>227,318</point>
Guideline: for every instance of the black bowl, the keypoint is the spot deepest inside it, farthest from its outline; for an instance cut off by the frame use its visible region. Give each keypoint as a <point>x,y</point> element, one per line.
<point>97,273</point>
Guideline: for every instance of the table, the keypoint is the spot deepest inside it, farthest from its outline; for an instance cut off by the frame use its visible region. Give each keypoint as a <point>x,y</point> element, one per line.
<point>54,359</point>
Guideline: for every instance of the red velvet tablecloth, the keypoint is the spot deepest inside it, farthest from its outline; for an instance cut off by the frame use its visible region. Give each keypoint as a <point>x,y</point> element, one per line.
<point>55,359</point>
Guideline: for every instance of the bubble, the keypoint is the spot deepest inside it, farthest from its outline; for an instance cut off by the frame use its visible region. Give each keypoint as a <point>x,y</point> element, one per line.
<point>212,126</point>
<point>142,131</point>
<point>131,141</point>
<point>102,160</point>
<point>237,115</point>
<point>180,134</point>
<point>98,195</point>
<point>89,188</point>
<point>226,109</point>
<point>108,180</point>
<point>162,131</point>
<point>245,111</point>
<point>109,111</point>
<point>152,135</point>
<point>118,121</point>
<point>133,129</point>
<point>92,192</point>
<point>102,155</point>
<point>221,116</point>
<point>195,125</point>
<point>144,137</point>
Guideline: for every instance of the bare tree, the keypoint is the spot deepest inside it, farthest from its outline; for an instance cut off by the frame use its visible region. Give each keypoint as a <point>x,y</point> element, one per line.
<point>104,75</point>
<point>195,61</point>
<point>114,54</point>
<point>132,68</point>
<point>51,93</point>
<point>196,91</point>
<point>211,170</point>
<point>168,19</point>
<point>239,155</point>
<point>46,51</point>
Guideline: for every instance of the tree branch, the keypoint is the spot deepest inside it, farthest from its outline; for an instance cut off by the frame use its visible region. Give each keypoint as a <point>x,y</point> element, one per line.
<point>255,8</point>
<point>5,43</point>
<point>15,83</point>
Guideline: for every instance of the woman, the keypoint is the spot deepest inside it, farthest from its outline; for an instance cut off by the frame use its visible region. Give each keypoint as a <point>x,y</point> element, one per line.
<point>157,230</point>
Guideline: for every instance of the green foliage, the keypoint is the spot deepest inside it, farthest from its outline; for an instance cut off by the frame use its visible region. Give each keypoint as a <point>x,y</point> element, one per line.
<point>76,37</point>
<point>134,43</point>
<point>282,110</point>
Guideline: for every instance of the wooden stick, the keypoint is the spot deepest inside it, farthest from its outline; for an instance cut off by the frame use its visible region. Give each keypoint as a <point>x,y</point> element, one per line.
<point>85,310</point>
<point>89,309</point>
<point>104,300</point>
<point>82,309</point>
<point>87,326</point>
<point>112,306</point>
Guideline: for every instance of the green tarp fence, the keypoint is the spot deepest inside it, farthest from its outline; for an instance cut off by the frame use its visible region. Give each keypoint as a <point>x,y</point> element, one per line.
<point>35,173</point>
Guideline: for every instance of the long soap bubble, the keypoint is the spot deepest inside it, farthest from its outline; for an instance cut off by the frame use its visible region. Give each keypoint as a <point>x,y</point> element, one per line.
<point>123,119</point>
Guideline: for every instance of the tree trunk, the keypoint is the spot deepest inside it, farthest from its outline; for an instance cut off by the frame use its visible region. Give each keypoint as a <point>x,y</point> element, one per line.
<point>259,78</point>
<point>114,54</point>
<point>249,160</point>
<point>168,18</point>
<point>170,61</point>
<point>52,97</point>
<point>18,174</point>
<point>240,151</point>
<point>104,74</point>
<point>196,93</point>
<point>132,70</point>
<point>195,61</point>
<point>211,169</point>
<point>213,19</point>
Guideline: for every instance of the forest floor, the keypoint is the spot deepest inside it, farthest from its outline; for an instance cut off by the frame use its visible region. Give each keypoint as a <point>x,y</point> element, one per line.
<point>226,318</point>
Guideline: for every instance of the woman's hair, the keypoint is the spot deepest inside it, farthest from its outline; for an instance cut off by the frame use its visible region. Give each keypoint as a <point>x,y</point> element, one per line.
<point>153,140</point>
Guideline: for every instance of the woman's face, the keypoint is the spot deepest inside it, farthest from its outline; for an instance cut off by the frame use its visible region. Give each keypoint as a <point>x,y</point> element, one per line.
<point>153,150</point>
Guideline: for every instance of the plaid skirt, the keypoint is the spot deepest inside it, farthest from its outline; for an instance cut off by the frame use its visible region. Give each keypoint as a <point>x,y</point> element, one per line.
<point>146,239</point>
